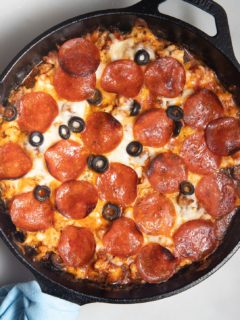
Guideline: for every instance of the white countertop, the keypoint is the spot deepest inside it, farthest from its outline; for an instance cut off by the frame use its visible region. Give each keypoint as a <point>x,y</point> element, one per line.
<point>215,298</point>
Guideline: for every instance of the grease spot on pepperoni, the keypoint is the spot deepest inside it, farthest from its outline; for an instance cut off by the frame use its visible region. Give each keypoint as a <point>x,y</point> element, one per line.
<point>79,57</point>
<point>76,199</point>
<point>223,136</point>
<point>14,161</point>
<point>216,193</point>
<point>76,246</point>
<point>202,107</point>
<point>65,160</point>
<point>154,214</point>
<point>118,184</point>
<point>195,240</point>
<point>165,77</point>
<point>29,214</point>
<point>197,156</point>
<point>123,238</point>
<point>36,112</point>
<point>73,89</point>
<point>103,132</point>
<point>153,128</point>
<point>166,171</point>
<point>155,263</point>
<point>123,77</point>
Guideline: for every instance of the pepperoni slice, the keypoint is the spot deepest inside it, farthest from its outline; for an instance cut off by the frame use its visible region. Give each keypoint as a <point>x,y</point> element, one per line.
<point>223,136</point>
<point>79,57</point>
<point>36,111</point>
<point>118,184</point>
<point>153,128</point>
<point>166,171</point>
<point>76,246</point>
<point>73,89</point>
<point>29,214</point>
<point>14,161</point>
<point>202,107</point>
<point>165,77</point>
<point>76,199</point>
<point>195,239</point>
<point>154,214</point>
<point>123,77</point>
<point>197,156</point>
<point>156,263</point>
<point>217,194</point>
<point>123,238</point>
<point>103,133</point>
<point>222,224</point>
<point>65,160</point>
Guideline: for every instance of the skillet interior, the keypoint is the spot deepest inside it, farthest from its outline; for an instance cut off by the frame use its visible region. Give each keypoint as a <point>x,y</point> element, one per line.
<point>176,31</point>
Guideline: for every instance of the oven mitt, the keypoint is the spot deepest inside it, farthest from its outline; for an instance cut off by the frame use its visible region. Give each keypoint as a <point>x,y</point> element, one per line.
<point>26,301</point>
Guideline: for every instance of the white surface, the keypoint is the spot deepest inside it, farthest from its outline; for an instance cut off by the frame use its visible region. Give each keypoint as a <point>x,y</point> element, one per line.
<point>215,298</point>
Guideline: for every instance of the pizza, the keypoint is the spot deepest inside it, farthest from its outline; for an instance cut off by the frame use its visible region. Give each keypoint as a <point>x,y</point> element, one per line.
<point>119,158</point>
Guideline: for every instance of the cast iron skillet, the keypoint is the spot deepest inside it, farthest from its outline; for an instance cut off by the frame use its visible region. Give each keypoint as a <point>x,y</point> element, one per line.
<point>217,52</point>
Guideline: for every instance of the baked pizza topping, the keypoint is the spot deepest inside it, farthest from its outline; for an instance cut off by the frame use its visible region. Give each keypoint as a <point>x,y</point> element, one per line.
<point>223,136</point>
<point>119,162</point>
<point>15,162</point>
<point>156,263</point>
<point>36,112</point>
<point>79,57</point>
<point>194,240</point>
<point>202,107</point>
<point>165,77</point>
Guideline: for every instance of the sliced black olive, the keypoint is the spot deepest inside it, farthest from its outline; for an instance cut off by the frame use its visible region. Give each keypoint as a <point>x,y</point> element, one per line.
<point>76,124</point>
<point>10,113</point>
<point>168,254</point>
<point>56,261</point>
<point>98,163</point>
<point>90,160</point>
<point>3,207</point>
<point>186,188</point>
<point>19,236</point>
<point>177,126</point>
<point>235,172</point>
<point>175,113</point>
<point>134,148</point>
<point>64,132</point>
<point>135,108</point>
<point>30,251</point>
<point>41,193</point>
<point>96,98</point>
<point>232,172</point>
<point>36,139</point>
<point>52,261</point>
<point>142,57</point>
<point>111,211</point>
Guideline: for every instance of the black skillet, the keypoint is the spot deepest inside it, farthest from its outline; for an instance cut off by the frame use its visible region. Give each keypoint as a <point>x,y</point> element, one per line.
<point>216,51</point>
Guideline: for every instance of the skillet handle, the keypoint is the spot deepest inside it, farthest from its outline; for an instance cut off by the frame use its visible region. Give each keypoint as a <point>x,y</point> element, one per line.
<point>222,40</point>
<point>55,289</point>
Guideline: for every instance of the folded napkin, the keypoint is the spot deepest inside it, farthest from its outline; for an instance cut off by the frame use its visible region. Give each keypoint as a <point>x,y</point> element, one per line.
<point>26,301</point>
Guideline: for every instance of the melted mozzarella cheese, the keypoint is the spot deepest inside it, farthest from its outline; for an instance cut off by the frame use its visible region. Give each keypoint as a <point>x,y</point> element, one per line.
<point>120,154</point>
<point>122,49</point>
<point>126,49</point>
<point>100,70</point>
